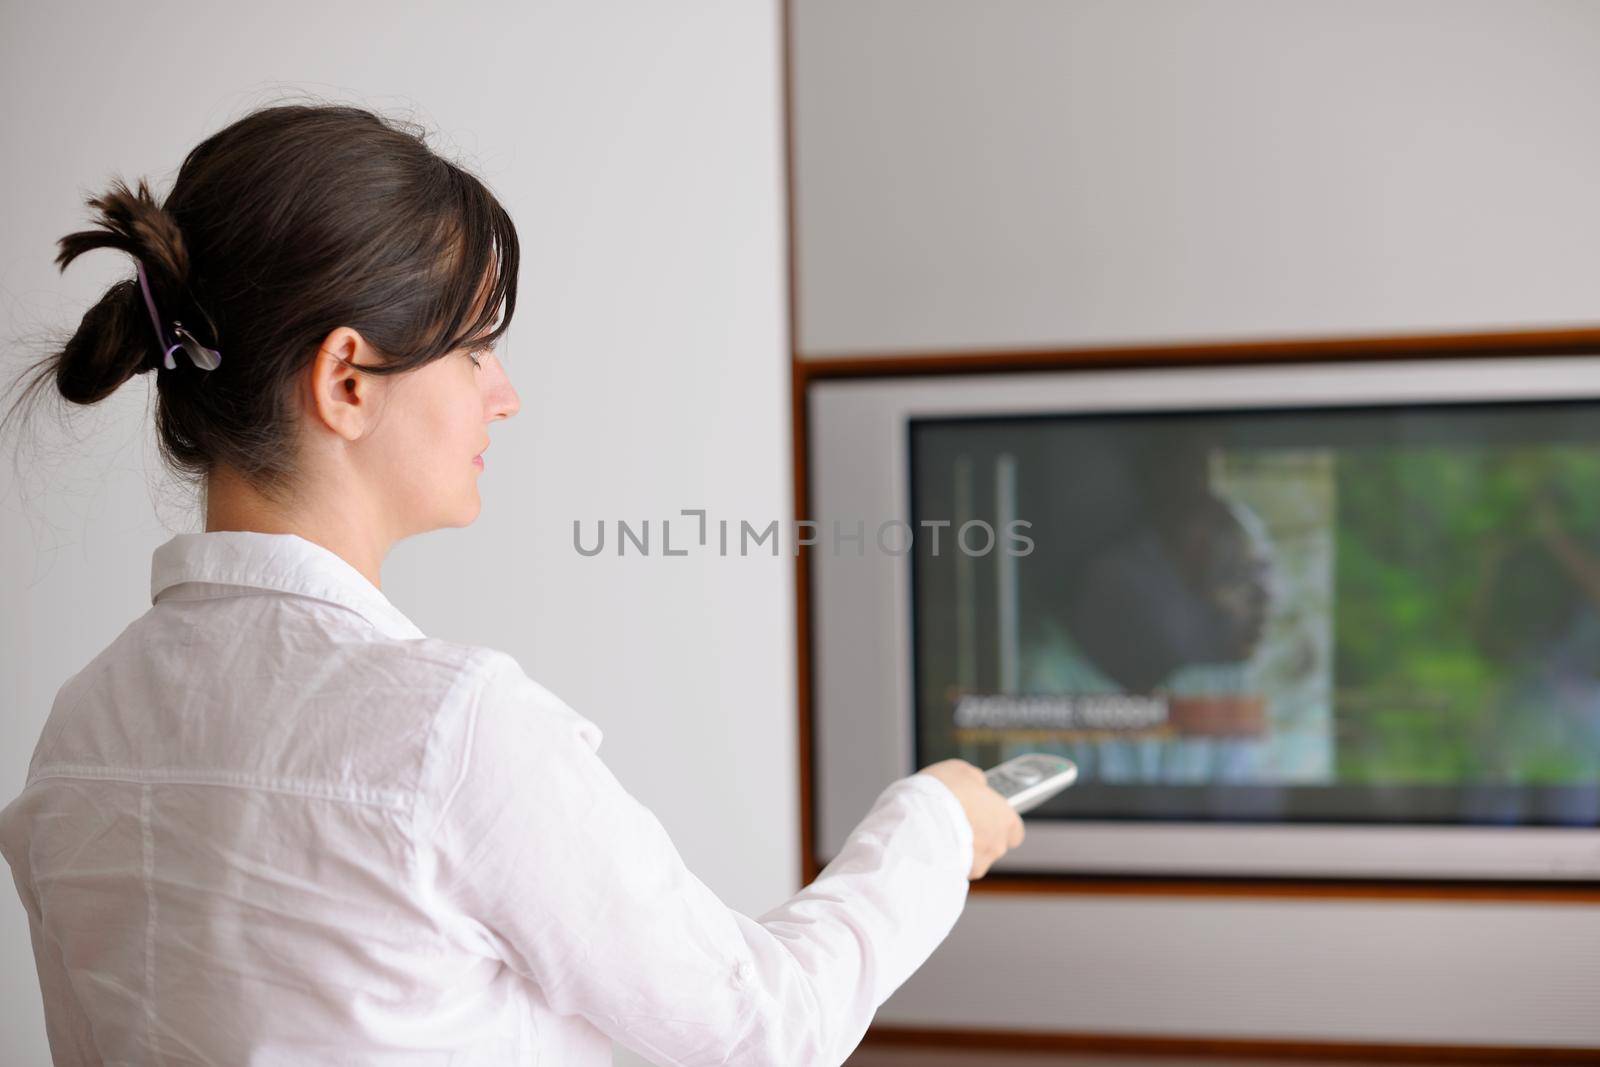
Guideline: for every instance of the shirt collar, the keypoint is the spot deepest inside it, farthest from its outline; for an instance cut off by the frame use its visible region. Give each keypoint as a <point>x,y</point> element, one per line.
<point>283,562</point>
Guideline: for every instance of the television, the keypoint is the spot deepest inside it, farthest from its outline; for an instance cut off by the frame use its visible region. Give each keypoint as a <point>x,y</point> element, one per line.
<point>1308,621</point>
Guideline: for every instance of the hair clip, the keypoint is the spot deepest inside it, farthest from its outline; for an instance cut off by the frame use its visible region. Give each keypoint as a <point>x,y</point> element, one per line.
<point>201,356</point>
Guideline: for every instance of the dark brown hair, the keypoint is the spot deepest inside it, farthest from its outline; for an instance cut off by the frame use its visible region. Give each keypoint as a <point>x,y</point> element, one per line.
<point>286,224</point>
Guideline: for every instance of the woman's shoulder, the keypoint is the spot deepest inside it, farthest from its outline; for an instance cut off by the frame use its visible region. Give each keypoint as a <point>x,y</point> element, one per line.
<point>491,684</point>
<point>502,734</point>
<point>456,663</point>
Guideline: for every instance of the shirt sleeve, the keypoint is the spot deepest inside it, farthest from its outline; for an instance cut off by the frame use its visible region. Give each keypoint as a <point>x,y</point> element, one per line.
<point>581,890</point>
<point>66,1025</point>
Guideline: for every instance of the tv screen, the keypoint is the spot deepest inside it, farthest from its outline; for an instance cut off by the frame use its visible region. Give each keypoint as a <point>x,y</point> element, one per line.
<point>1337,615</point>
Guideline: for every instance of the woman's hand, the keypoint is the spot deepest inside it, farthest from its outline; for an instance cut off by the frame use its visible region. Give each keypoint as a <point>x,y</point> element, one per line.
<point>995,827</point>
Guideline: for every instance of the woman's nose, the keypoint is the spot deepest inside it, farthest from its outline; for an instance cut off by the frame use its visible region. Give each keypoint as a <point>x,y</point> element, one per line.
<point>501,400</point>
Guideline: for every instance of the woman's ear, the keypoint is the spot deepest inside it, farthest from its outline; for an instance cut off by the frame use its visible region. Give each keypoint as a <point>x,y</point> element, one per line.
<point>343,398</point>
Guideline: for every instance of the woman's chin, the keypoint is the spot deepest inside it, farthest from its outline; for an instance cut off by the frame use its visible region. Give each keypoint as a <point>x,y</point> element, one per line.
<point>467,511</point>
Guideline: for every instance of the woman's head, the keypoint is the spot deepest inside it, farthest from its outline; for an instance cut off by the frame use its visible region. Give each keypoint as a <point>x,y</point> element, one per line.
<point>351,280</point>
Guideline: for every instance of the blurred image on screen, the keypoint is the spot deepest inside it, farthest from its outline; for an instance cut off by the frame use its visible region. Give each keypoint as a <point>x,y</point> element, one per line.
<point>1386,614</point>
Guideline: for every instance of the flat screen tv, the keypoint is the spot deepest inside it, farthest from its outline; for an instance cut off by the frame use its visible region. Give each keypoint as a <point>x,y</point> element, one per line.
<point>1308,621</point>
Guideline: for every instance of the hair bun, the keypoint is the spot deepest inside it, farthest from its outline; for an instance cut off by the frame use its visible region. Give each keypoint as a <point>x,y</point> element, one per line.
<point>116,339</point>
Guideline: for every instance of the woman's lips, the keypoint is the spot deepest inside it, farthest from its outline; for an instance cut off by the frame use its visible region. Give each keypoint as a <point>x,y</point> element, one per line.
<point>478,461</point>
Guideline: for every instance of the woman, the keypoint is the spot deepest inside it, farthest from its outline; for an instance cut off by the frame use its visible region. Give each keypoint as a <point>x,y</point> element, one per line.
<point>273,822</point>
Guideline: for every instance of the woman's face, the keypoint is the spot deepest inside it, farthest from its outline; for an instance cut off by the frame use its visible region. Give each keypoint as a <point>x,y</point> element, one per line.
<point>434,428</point>
<point>441,427</point>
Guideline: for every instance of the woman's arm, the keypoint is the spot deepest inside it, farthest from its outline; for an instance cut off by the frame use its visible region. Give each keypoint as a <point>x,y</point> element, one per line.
<point>583,892</point>
<point>66,1025</point>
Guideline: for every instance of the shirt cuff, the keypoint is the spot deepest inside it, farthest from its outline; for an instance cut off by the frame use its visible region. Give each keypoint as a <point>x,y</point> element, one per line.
<point>954,817</point>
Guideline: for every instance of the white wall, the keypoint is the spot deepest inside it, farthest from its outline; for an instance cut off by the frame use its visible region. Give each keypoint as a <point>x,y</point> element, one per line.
<point>1013,173</point>
<point>638,147</point>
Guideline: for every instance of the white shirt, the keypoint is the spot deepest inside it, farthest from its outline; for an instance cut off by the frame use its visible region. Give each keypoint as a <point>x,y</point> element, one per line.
<point>273,823</point>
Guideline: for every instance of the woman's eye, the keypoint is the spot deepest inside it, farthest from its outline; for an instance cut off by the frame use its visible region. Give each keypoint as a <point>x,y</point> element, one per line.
<point>475,360</point>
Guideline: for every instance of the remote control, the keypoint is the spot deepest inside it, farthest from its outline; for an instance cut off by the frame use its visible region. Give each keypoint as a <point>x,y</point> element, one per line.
<point>1030,780</point>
